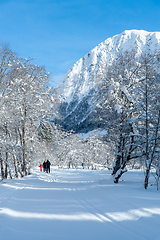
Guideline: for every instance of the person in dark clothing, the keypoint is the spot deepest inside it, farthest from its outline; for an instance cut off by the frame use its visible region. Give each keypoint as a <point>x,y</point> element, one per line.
<point>83,165</point>
<point>48,166</point>
<point>44,166</point>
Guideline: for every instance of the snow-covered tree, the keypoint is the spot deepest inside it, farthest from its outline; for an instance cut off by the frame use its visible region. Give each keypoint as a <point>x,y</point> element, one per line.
<point>118,85</point>
<point>25,102</point>
<point>147,110</point>
<point>128,81</point>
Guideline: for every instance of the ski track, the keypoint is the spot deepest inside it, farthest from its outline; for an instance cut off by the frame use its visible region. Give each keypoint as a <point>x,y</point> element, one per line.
<point>93,209</point>
<point>78,205</point>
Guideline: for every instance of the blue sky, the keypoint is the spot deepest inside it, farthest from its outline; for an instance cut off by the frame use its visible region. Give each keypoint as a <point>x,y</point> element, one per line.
<point>57,33</point>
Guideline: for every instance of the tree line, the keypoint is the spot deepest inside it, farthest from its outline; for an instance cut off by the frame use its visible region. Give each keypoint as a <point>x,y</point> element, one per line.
<point>133,92</point>
<point>25,102</point>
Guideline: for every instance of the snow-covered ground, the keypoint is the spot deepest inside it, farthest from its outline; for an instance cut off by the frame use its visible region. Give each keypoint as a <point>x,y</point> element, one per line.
<point>79,205</point>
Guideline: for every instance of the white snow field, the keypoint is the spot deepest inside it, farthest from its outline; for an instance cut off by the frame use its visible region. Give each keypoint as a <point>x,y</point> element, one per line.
<point>79,205</point>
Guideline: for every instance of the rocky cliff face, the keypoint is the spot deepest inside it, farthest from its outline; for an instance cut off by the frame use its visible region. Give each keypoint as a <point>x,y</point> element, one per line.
<point>78,88</point>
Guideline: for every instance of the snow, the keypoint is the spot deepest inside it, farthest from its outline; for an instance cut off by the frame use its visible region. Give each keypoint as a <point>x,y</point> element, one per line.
<point>95,132</point>
<point>124,90</point>
<point>118,108</point>
<point>79,204</point>
<point>85,73</point>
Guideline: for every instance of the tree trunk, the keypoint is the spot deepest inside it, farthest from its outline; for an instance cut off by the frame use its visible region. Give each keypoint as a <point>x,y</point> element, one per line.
<point>6,166</point>
<point>15,167</point>
<point>117,162</point>
<point>119,169</point>
<point>24,167</point>
<point>148,166</point>
<point>2,167</point>
<point>146,178</point>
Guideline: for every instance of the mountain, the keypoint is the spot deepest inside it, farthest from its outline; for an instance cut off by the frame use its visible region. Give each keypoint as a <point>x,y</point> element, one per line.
<point>78,88</point>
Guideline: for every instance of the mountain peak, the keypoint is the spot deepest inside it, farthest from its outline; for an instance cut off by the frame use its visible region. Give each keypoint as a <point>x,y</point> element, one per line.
<point>135,31</point>
<point>81,75</point>
<point>79,83</point>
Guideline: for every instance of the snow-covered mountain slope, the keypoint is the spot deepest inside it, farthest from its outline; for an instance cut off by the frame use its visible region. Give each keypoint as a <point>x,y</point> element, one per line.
<point>78,86</point>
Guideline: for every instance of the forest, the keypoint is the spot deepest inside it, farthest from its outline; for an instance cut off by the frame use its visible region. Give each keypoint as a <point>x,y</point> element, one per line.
<point>129,90</point>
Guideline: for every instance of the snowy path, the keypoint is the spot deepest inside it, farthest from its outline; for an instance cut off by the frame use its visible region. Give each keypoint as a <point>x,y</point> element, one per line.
<point>78,205</point>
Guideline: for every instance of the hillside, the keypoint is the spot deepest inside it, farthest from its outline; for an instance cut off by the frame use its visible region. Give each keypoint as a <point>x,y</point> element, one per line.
<point>79,87</point>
